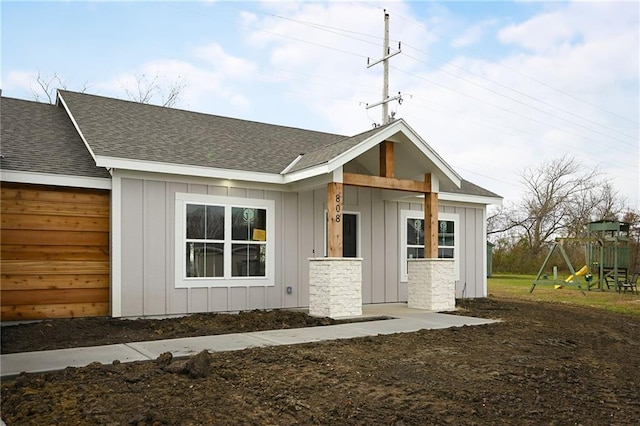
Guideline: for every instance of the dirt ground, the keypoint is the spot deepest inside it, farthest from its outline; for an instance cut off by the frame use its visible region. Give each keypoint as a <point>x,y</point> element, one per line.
<point>543,364</point>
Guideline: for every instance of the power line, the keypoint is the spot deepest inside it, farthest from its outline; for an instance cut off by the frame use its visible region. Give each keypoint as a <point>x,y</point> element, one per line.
<point>343,33</point>
<point>493,105</point>
<point>421,25</point>
<point>513,90</point>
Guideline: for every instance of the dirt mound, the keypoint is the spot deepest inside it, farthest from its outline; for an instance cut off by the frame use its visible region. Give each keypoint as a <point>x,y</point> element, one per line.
<point>543,364</point>
<point>76,332</point>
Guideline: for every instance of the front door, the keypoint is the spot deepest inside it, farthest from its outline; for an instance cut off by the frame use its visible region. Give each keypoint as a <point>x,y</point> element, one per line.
<point>349,235</point>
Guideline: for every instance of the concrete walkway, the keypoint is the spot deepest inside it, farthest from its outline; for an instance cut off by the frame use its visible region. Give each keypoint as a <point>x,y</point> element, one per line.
<point>403,320</point>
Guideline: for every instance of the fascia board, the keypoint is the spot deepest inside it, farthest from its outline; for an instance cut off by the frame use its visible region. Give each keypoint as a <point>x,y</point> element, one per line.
<point>185,170</point>
<point>75,124</point>
<point>466,198</point>
<point>306,173</point>
<point>227,183</point>
<point>445,197</point>
<point>55,180</point>
<point>426,149</point>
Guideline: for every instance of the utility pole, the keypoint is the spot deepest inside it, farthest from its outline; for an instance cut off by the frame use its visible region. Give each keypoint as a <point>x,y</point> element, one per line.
<point>386,54</point>
<point>385,63</point>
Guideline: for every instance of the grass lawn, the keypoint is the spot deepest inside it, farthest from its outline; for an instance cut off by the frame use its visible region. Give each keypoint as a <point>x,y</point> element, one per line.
<point>518,286</point>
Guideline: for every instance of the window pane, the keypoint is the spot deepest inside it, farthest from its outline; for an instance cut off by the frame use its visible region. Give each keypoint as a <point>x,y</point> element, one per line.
<point>445,233</point>
<point>205,260</point>
<point>445,253</point>
<point>215,223</point>
<point>248,224</point>
<point>195,221</point>
<point>214,260</point>
<point>248,260</point>
<point>195,259</point>
<point>415,231</point>
<point>415,252</point>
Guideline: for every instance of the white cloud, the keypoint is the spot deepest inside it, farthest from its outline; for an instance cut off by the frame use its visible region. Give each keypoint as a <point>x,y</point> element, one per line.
<point>473,34</point>
<point>223,64</point>
<point>16,80</point>
<point>201,84</point>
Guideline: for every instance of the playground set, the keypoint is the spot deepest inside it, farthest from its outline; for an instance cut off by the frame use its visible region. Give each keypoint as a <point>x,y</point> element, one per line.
<point>607,260</point>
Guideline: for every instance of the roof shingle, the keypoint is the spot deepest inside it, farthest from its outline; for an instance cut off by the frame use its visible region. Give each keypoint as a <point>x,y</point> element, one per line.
<point>40,138</point>
<point>125,129</point>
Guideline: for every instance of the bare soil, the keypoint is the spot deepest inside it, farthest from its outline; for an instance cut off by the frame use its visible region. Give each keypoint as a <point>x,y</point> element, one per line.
<point>543,364</point>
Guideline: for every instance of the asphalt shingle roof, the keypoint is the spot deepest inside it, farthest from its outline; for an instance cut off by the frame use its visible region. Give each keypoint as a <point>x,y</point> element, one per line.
<point>37,137</point>
<point>124,129</point>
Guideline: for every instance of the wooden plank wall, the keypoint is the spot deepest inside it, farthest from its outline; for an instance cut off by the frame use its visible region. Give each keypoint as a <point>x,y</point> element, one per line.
<point>55,252</point>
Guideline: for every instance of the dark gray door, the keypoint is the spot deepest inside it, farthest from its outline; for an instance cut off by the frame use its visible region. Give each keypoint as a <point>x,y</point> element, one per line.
<point>349,235</point>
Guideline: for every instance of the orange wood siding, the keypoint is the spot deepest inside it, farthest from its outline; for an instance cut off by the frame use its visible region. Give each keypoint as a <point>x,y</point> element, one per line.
<point>54,252</point>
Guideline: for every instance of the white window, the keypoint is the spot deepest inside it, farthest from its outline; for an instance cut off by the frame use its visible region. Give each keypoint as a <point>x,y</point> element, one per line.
<point>412,239</point>
<point>224,241</point>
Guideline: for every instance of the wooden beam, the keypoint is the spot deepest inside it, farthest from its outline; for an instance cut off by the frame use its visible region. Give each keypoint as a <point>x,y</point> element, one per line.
<point>385,183</point>
<point>386,159</point>
<point>431,225</point>
<point>335,202</point>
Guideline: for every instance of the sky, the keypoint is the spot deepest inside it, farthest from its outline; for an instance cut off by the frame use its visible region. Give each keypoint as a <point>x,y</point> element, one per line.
<point>494,87</point>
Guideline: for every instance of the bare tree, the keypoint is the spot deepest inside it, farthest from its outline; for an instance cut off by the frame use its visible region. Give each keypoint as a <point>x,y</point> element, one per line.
<point>555,191</point>
<point>146,89</point>
<point>561,198</point>
<point>46,87</point>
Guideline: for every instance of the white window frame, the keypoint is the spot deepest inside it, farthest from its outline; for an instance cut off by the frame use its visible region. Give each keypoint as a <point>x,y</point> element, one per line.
<point>181,279</point>
<point>418,214</point>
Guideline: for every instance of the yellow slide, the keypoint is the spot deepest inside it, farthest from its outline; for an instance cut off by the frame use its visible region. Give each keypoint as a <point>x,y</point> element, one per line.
<point>580,273</point>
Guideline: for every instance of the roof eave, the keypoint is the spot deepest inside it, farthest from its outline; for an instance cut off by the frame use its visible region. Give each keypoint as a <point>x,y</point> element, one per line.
<point>355,151</point>
<point>188,170</point>
<point>469,198</point>
<point>40,178</point>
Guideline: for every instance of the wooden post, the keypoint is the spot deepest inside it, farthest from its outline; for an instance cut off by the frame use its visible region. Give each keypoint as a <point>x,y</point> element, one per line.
<point>386,159</point>
<point>335,201</point>
<point>430,221</point>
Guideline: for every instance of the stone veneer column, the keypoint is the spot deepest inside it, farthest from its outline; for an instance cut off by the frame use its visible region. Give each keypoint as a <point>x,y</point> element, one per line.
<point>431,284</point>
<point>335,286</point>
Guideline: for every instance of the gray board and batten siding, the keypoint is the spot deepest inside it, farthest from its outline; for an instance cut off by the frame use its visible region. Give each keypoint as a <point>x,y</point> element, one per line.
<point>148,248</point>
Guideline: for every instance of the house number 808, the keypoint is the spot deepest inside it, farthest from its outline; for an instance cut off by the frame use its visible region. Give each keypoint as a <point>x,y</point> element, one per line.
<point>338,214</point>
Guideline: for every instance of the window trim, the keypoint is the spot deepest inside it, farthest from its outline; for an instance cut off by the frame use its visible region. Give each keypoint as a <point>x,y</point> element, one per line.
<point>227,280</point>
<point>419,214</point>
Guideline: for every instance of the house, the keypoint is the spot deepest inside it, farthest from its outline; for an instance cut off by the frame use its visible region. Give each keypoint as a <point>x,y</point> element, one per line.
<point>111,207</point>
